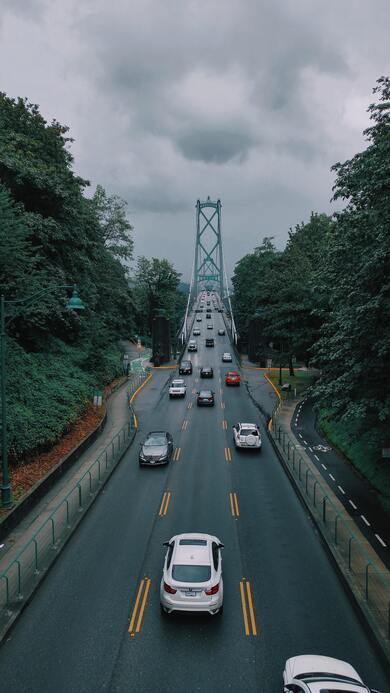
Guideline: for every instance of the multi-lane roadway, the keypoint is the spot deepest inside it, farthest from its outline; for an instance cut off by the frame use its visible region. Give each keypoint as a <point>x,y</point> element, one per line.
<point>95,623</point>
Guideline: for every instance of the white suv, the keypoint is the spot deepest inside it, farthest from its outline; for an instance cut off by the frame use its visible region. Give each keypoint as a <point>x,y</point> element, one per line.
<point>316,673</point>
<point>192,574</point>
<point>247,435</point>
<point>177,388</point>
<point>192,345</point>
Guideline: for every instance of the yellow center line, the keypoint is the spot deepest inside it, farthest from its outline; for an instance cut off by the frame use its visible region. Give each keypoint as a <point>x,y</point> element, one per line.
<point>184,425</point>
<point>231,503</point>
<point>228,455</point>
<point>251,612</point>
<point>140,588</point>
<point>141,611</point>
<point>177,454</point>
<point>243,606</point>
<point>189,405</point>
<point>222,405</point>
<point>236,504</point>
<point>168,498</point>
<point>160,512</point>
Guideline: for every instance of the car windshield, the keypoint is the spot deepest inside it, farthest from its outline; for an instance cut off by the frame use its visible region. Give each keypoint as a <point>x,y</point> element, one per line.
<point>191,573</point>
<point>248,432</point>
<point>156,439</point>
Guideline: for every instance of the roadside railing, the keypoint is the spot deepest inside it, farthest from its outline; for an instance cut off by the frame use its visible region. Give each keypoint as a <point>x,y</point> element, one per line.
<point>371,588</point>
<point>22,574</point>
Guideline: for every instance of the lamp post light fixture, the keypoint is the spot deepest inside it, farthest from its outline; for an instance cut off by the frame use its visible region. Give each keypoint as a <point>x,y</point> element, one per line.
<point>75,304</point>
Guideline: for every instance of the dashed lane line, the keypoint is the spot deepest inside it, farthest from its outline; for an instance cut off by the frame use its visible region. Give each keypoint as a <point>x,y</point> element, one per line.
<point>341,489</point>
<point>332,477</point>
<point>317,458</point>
<point>381,540</point>
<point>365,521</point>
<point>323,465</point>
<point>353,504</point>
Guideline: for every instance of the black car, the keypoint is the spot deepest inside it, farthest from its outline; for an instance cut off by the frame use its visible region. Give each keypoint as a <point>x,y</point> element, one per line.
<point>156,449</point>
<point>206,372</point>
<point>210,342</point>
<point>205,398</point>
<point>208,310</point>
<point>221,332</point>
<point>208,317</point>
<point>185,368</point>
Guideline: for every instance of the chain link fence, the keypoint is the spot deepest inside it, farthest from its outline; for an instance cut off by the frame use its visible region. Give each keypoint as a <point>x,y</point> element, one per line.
<point>370,586</point>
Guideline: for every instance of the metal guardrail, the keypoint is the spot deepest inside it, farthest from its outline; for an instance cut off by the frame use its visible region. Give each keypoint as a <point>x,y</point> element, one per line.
<point>363,576</point>
<point>24,572</point>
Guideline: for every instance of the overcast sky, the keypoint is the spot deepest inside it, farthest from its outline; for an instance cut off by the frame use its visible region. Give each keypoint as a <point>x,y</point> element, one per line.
<point>249,101</point>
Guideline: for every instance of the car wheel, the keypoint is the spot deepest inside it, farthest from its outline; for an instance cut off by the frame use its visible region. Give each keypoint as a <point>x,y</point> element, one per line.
<point>164,611</point>
<point>220,612</point>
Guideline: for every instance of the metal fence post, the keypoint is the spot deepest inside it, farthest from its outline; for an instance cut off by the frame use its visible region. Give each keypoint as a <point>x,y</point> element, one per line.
<point>53,535</point>
<point>314,492</point>
<point>80,497</point>
<point>324,509</point>
<point>19,581</point>
<point>299,468</point>
<point>306,475</point>
<point>335,529</point>
<point>67,513</point>
<point>293,460</point>
<point>350,552</point>
<point>288,449</point>
<point>36,555</point>
<point>366,590</point>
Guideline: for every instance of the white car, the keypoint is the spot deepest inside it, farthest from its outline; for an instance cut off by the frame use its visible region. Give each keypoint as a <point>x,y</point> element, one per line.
<point>192,574</point>
<point>196,332</point>
<point>192,345</point>
<point>247,435</point>
<point>226,357</point>
<point>177,388</point>
<point>316,673</point>
<point>198,319</point>
<point>210,327</point>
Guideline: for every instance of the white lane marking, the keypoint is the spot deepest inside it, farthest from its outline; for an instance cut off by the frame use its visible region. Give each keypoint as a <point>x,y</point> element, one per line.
<point>322,465</point>
<point>317,458</point>
<point>305,442</point>
<point>311,449</point>
<point>341,489</point>
<point>353,504</point>
<point>365,520</point>
<point>332,477</point>
<point>380,540</point>
<point>301,436</point>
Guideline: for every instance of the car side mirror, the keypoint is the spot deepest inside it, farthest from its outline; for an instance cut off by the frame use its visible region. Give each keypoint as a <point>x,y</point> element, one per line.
<point>166,543</point>
<point>221,546</point>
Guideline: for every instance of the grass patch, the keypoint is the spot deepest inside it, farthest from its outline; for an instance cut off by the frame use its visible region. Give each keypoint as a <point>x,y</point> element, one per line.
<point>300,381</point>
<point>362,450</point>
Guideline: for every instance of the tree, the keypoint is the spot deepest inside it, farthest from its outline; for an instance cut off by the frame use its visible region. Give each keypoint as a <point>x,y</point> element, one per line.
<point>354,348</point>
<point>114,226</point>
<point>156,285</point>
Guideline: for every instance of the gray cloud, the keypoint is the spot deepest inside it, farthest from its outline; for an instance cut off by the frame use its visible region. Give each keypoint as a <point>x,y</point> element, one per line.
<point>248,101</point>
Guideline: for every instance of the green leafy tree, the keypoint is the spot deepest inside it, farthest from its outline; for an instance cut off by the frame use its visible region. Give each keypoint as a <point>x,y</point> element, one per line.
<point>115,229</point>
<point>354,349</point>
<point>156,289</point>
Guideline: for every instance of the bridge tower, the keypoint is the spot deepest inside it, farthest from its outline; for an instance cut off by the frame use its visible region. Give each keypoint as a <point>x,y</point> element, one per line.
<point>208,264</point>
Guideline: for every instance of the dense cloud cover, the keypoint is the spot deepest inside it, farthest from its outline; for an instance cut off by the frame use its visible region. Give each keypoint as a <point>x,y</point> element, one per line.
<point>249,101</point>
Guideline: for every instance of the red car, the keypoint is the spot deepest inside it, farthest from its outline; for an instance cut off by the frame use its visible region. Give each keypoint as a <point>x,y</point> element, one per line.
<point>232,378</point>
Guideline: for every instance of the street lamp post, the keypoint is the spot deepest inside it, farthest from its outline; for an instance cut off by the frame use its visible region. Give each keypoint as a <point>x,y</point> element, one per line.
<point>74,303</point>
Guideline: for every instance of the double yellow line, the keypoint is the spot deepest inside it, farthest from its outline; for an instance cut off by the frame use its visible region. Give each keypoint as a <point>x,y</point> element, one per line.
<point>140,601</point>
<point>234,505</point>
<point>228,455</point>
<point>224,424</point>
<point>176,454</point>
<point>184,425</point>
<point>164,503</point>
<point>247,605</point>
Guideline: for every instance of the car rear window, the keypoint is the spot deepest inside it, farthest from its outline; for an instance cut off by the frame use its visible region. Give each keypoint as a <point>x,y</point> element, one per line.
<point>191,573</point>
<point>205,393</point>
<point>193,542</point>
<point>248,432</point>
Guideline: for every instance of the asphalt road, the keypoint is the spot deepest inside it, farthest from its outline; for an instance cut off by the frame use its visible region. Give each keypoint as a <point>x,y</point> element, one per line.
<point>355,492</point>
<point>74,636</point>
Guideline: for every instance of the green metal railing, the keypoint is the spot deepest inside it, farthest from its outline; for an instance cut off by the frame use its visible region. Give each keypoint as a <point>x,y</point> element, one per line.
<point>366,581</point>
<point>19,579</point>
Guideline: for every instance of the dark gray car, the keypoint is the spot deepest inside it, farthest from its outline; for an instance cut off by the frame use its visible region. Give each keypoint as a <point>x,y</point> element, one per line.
<point>156,449</point>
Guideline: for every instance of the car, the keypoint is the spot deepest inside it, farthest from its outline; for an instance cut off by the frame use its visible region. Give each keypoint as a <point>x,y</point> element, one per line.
<point>205,398</point>
<point>209,342</point>
<point>232,378</point>
<point>198,319</point>
<point>226,357</point>
<point>208,303</point>
<point>192,345</point>
<point>247,435</point>
<point>208,316</point>
<point>156,449</point>
<point>177,388</point>
<point>192,574</point>
<point>316,673</point>
<point>208,310</point>
<point>196,332</point>
<point>206,372</point>
<point>210,326</point>
<point>221,332</point>
<point>185,368</point>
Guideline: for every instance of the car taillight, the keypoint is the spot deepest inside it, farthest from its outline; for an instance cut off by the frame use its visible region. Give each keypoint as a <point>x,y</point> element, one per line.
<point>169,589</point>
<point>212,590</point>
